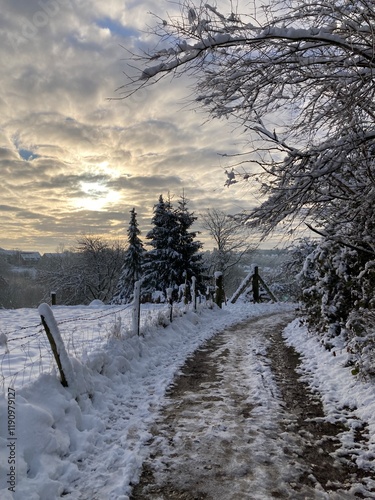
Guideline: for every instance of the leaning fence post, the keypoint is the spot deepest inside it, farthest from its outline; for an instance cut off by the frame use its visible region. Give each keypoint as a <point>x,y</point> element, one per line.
<point>267,289</point>
<point>137,308</point>
<point>57,344</point>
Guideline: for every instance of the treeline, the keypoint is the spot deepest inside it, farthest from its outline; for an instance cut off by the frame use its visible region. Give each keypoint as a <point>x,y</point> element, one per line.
<point>89,270</point>
<point>167,258</point>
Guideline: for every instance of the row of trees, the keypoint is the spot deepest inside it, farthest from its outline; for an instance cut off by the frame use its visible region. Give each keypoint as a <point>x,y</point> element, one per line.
<point>107,270</point>
<point>87,272</point>
<point>299,76</point>
<point>174,257</point>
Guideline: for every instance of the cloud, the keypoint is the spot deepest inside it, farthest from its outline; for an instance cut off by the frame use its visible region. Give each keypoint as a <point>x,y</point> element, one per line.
<point>7,154</point>
<point>72,160</point>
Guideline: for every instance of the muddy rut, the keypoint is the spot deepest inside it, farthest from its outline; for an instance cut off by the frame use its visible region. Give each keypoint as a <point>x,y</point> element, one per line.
<point>238,423</point>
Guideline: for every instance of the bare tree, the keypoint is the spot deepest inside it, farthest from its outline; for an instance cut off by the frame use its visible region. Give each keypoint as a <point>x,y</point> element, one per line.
<point>101,265</point>
<point>61,273</point>
<point>89,272</point>
<point>231,241</point>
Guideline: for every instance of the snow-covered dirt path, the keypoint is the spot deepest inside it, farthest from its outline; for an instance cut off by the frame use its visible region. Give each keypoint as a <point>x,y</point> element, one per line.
<point>238,424</point>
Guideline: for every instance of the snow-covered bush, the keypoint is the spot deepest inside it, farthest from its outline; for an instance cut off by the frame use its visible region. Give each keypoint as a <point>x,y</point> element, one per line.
<point>338,300</point>
<point>116,329</point>
<point>360,329</point>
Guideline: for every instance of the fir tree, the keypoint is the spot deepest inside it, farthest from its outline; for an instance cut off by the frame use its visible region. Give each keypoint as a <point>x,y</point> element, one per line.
<point>173,258</point>
<point>160,264</point>
<point>133,262</point>
<point>190,260</point>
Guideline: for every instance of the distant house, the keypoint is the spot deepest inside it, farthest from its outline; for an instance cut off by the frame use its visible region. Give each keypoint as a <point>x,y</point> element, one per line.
<point>30,257</point>
<point>20,258</point>
<point>52,255</point>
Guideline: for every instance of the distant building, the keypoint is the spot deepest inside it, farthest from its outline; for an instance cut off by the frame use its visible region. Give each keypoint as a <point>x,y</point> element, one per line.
<point>30,257</point>
<point>20,258</point>
<point>52,255</point>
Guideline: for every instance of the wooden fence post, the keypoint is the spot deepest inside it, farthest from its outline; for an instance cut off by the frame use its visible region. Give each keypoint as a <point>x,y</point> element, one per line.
<point>267,289</point>
<point>219,289</point>
<point>57,344</point>
<point>193,294</point>
<point>170,302</point>
<point>256,285</point>
<point>186,293</point>
<point>137,308</point>
<point>256,281</point>
<point>53,298</point>
<point>241,288</point>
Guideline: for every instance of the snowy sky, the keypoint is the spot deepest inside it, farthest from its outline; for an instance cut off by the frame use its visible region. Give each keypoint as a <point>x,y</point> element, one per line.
<point>74,162</point>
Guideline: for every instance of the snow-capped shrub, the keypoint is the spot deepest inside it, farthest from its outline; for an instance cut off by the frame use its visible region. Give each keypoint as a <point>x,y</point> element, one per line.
<point>338,300</point>
<point>116,329</point>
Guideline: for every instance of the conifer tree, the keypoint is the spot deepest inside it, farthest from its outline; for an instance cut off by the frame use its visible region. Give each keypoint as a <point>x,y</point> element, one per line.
<point>173,257</point>
<point>190,260</point>
<point>160,263</point>
<point>133,262</point>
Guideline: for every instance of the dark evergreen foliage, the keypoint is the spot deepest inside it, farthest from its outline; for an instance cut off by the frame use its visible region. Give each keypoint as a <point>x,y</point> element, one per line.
<point>188,246</point>
<point>133,262</point>
<point>173,258</point>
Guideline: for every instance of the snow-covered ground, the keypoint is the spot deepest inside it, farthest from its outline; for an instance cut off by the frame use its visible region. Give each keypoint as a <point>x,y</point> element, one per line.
<point>96,431</point>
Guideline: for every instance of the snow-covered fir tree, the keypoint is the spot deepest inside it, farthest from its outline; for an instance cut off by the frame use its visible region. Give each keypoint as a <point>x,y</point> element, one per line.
<point>159,267</point>
<point>188,246</point>
<point>133,261</point>
<point>173,257</point>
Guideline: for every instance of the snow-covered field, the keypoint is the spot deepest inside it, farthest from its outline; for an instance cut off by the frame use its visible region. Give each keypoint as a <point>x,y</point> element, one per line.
<point>55,441</point>
<point>25,352</point>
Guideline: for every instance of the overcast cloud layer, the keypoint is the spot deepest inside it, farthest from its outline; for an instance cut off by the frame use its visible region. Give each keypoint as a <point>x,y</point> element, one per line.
<point>72,161</point>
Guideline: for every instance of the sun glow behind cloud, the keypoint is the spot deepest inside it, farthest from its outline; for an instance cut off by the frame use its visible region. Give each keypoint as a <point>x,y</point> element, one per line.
<point>97,197</point>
